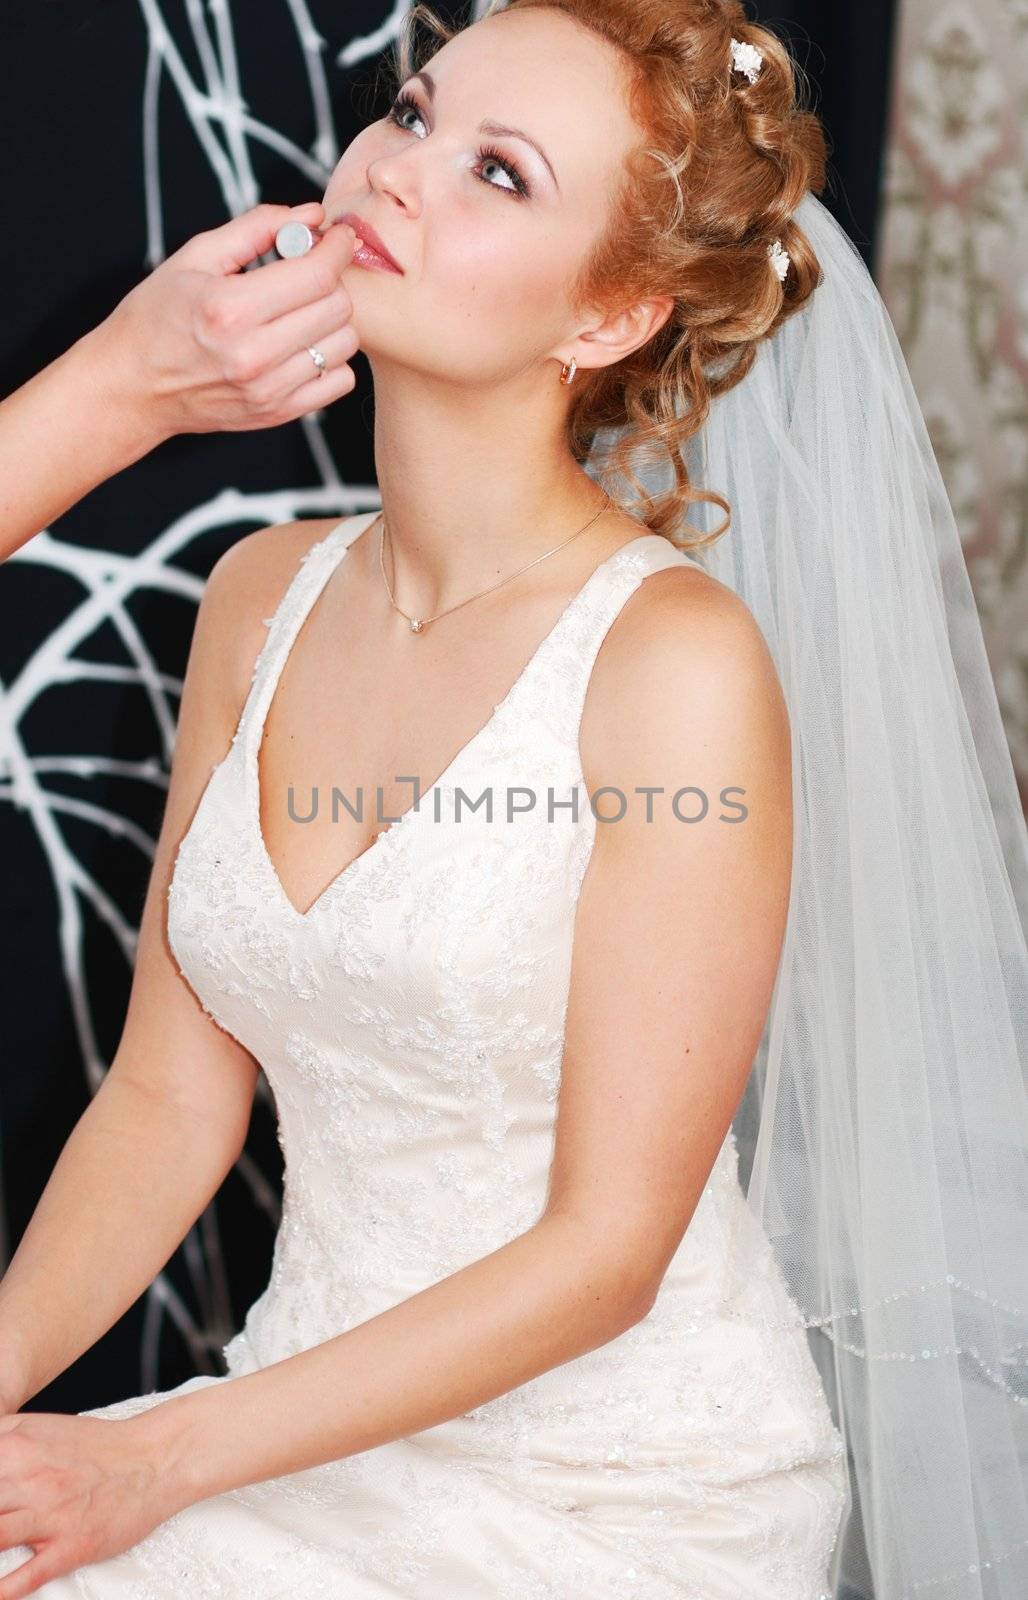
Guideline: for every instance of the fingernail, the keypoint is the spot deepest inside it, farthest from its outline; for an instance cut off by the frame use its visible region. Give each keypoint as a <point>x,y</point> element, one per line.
<point>357,240</point>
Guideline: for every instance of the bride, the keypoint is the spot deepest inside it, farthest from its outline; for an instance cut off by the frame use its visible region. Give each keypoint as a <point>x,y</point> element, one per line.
<point>591,1111</point>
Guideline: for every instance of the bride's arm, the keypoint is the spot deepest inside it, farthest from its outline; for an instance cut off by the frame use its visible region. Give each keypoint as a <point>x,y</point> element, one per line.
<point>677,940</point>
<point>171,1114</point>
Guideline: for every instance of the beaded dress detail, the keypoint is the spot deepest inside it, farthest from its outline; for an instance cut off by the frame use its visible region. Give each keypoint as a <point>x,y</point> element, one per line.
<point>410,1025</point>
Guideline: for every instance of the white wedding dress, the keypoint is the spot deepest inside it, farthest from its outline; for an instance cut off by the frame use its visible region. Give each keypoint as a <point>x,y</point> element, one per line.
<point>410,1024</point>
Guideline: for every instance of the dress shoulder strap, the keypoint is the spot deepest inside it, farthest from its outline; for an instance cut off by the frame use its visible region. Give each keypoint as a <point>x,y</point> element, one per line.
<point>561,689</point>
<point>313,571</point>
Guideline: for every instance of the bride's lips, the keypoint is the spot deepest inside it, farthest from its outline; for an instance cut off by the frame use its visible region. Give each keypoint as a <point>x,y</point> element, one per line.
<point>372,252</point>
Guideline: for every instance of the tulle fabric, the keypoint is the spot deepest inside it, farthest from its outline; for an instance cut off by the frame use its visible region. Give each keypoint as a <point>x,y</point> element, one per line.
<point>883,1132</point>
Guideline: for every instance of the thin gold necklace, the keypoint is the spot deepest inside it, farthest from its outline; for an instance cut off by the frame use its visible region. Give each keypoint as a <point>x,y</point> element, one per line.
<point>416,624</point>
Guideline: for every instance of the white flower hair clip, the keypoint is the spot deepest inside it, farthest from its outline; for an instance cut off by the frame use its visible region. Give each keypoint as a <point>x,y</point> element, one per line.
<point>746,58</point>
<point>781,260</point>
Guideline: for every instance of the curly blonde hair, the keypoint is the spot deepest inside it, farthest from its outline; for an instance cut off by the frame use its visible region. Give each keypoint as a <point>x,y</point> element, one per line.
<point>724,167</point>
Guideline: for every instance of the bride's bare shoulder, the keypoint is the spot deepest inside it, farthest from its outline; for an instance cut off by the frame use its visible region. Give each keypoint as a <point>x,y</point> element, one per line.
<point>260,566</point>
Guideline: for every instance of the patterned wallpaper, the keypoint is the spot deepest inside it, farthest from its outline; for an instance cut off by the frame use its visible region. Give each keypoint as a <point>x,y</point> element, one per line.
<point>953,269</point>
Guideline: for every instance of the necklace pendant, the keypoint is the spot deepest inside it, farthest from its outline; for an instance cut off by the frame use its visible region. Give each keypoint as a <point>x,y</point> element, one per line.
<point>416,624</point>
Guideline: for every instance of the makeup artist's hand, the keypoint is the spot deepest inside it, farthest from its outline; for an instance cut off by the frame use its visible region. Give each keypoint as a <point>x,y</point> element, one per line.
<point>206,347</point>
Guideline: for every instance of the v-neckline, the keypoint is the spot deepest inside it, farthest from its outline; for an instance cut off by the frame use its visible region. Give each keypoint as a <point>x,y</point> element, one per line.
<point>268,685</point>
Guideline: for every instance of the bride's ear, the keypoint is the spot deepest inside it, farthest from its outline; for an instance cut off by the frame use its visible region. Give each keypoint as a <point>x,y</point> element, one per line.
<point>618,334</point>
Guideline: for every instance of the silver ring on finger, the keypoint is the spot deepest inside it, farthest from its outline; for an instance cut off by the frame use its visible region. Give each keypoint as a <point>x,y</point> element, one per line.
<point>318,359</point>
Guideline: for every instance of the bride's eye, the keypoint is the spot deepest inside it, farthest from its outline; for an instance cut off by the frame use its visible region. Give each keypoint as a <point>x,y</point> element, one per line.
<point>487,156</point>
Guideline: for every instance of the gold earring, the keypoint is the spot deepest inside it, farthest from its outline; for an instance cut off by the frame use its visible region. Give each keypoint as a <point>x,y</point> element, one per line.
<point>567,372</point>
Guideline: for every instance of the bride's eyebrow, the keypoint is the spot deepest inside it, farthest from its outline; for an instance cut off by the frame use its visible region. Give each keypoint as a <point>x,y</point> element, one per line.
<point>497,129</point>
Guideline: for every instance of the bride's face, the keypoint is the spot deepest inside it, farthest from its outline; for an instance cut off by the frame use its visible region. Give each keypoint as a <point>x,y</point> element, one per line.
<point>489,227</point>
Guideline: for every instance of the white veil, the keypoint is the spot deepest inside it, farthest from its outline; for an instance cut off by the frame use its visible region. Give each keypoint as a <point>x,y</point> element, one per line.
<point>883,1132</point>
